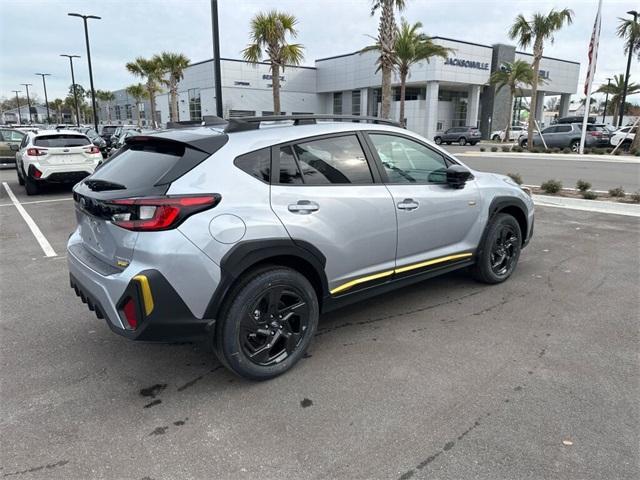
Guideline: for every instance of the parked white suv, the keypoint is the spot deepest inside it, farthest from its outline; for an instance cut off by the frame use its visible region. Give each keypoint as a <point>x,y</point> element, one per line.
<point>624,135</point>
<point>54,156</point>
<point>514,134</point>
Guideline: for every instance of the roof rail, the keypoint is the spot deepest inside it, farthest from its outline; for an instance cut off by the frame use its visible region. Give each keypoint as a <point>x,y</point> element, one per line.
<point>242,124</point>
<point>207,121</point>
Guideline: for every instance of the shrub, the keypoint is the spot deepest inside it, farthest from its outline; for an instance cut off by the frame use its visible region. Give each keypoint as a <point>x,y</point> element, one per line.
<point>551,186</point>
<point>635,151</point>
<point>587,151</point>
<point>583,185</point>
<point>517,148</point>
<point>589,195</point>
<point>482,149</point>
<point>506,148</point>
<point>601,151</point>
<point>617,152</point>
<point>635,197</point>
<point>609,150</point>
<point>616,192</point>
<point>494,149</point>
<point>566,150</point>
<point>516,177</point>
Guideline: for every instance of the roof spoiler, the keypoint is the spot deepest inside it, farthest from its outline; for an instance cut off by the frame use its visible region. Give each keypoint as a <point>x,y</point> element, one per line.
<point>242,124</point>
<point>207,121</point>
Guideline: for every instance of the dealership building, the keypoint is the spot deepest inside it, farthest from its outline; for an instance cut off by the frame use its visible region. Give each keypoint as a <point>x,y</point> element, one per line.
<point>440,94</point>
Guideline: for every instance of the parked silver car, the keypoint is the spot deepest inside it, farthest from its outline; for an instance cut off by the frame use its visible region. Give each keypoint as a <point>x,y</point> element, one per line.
<point>568,136</point>
<point>244,234</point>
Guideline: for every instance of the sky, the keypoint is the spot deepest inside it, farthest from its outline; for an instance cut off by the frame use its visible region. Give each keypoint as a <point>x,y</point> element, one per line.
<point>33,33</point>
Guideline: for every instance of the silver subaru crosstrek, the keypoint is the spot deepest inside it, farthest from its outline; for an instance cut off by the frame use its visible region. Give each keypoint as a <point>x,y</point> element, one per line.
<point>243,233</point>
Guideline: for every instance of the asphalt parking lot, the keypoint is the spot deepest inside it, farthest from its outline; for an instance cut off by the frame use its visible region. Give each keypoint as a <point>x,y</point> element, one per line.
<point>448,379</point>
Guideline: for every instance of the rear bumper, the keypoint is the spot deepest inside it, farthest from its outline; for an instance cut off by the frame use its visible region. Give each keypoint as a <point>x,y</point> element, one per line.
<point>70,173</point>
<point>105,289</point>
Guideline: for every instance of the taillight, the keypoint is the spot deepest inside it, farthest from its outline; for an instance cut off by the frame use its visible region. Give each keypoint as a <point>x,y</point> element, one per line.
<point>92,149</point>
<point>149,214</point>
<point>595,133</point>
<point>36,152</point>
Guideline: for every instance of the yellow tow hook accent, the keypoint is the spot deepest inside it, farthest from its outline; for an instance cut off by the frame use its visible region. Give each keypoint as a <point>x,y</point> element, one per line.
<point>147,298</point>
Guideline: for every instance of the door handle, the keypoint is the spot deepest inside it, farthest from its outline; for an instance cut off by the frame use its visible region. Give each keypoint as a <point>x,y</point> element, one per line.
<point>304,207</point>
<point>408,204</point>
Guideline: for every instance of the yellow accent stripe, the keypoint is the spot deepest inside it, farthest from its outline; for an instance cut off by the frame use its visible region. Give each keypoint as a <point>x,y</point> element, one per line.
<point>432,262</point>
<point>147,298</point>
<point>406,268</point>
<point>357,281</point>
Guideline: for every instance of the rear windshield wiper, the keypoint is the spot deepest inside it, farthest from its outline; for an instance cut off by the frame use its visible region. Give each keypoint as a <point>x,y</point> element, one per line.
<point>100,185</point>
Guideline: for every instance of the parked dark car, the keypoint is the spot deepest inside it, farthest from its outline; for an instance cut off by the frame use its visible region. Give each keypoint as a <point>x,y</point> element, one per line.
<point>95,138</point>
<point>568,136</point>
<point>106,131</point>
<point>459,135</point>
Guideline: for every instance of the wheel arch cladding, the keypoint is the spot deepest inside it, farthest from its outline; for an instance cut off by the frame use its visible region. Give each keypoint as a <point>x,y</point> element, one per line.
<point>251,254</point>
<point>512,206</point>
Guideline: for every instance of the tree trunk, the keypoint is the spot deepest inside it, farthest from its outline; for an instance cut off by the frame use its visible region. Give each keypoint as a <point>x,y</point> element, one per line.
<point>152,101</point>
<point>403,89</point>
<point>275,85</point>
<point>537,55</point>
<point>138,108</point>
<point>615,113</point>
<point>109,111</point>
<point>635,144</point>
<point>174,101</point>
<point>386,37</point>
<point>507,129</point>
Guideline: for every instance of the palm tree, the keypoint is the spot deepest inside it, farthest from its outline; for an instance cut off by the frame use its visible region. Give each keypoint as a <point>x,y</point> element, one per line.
<point>151,71</point>
<point>410,47</point>
<point>107,97</point>
<point>628,29</point>
<point>268,32</point>
<point>139,92</point>
<point>57,105</point>
<point>174,65</point>
<point>615,89</point>
<point>512,76</point>
<point>535,31</point>
<point>386,41</point>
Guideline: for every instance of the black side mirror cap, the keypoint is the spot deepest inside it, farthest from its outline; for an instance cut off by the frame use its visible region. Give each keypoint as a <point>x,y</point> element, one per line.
<point>14,147</point>
<point>457,176</point>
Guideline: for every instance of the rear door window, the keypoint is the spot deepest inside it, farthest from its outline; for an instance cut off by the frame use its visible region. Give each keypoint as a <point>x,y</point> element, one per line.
<point>61,141</point>
<point>289,171</point>
<point>563,128</point>
<point>335,160</point>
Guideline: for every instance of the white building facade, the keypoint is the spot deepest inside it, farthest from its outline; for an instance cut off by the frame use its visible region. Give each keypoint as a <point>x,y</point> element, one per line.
<point>440,94</point>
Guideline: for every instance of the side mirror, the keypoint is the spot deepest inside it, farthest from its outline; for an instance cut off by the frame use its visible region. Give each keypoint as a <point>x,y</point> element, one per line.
<point>14,147</point>
<point>457,176</point>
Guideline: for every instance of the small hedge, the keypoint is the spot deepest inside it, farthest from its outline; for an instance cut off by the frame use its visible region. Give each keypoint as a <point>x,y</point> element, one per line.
<point>494,149</point>
<point>635,197</point>
<point>583,185</point>
<point>505,148</point>
<point>616,192</point>
<point>589,195</point>
<point>516,177</point>
<point>482,149</point>
<point>566,150</point>
<point>551,186</point>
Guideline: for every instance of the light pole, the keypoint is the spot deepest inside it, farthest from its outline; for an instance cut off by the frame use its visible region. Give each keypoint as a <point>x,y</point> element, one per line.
<point>626,78</point>
<point>18,103</point>
<point>73,85</point>
<point>606,100</point>
<point>86,38</point>
<point>46,100</point>
<point>216,56</point>
<point>27,85</point>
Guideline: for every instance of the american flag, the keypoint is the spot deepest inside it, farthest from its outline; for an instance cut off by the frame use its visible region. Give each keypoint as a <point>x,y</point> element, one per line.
<point>593,50</point>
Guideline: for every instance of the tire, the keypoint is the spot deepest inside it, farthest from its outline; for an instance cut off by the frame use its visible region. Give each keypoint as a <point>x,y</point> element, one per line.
<point>31,187</point>
<point>574,145</point>
<point>462,141</point>
<point>20,179</point>
<point>523,144</point>
<point>438,140</point>
<point>251,321</point>
<point>496,138</point>
<point>500,250</point>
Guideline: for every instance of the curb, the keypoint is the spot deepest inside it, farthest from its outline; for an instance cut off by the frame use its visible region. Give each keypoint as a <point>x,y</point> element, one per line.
<point>555,156</point>
<point>598,206</point>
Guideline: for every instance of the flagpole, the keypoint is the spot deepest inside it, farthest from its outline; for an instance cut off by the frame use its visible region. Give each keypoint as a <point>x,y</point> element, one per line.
<point>590,74</point>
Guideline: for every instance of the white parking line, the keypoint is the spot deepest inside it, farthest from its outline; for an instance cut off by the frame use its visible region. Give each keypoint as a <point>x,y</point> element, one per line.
<point>38,201</point>
<point>44,243</point>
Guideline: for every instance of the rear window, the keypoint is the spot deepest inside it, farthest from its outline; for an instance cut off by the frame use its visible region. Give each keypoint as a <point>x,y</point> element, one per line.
<point>142,164</point>
<point>61,140</point>
<point>108,130</point>
<point>256,164</point>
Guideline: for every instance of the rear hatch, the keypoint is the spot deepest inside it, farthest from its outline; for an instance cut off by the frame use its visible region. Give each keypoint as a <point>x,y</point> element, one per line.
<point>142,170</point>
<point>63,148</point>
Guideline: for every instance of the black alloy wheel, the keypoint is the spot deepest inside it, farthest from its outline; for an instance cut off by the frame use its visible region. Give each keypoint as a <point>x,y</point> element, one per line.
<point>274,326</point>
<point>504,250</point>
